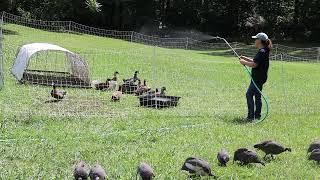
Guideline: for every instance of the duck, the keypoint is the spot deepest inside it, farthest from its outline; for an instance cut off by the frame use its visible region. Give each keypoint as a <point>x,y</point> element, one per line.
<point>116,96</point>
<point>162,92</point>
<point>142,88</point>
<point>134,79</point>
<point>97,173</point>
<point>315,155</point>
<point>103,86</point>
<point>197,167</point>
<point>115,76</point>
<point>270,147</point>
<point>135,76</point>
<point>223,157</point>
<point>314,145</point>
<point>145,171</point>
<point>113,81</point>
<point>81,171</point>
<point>57,94</point>
<point>246,156</point>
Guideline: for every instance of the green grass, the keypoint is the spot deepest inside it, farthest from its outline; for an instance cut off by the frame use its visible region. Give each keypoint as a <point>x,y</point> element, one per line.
<point>41,140</point>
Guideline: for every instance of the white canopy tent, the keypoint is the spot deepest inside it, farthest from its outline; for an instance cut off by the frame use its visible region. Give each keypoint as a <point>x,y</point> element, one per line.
<point>78,66</point>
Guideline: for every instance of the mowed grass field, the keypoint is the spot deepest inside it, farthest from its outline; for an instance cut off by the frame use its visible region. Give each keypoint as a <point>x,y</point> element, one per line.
<point>41,140</point>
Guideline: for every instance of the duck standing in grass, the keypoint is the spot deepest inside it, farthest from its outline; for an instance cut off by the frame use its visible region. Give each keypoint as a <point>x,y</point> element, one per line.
<point>114,81</point>
<point>116,96</point>
<point>115,76</point>
<point>271,148</point>
<point>223,157</point>
<point>145,171</point>
<point>246,156</point>
<point>315,155</point>
<point>81,171</point>
<point>314,145</point>
<point>56,93</point>
<point>97,173</point>
<point>133,79</point>
<point>197,167</point>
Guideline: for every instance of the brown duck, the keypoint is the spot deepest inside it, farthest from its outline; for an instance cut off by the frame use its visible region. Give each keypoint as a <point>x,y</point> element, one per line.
<point>57,94</point>
<point>145,171</point>
<point>103,86</point>
<point>81,171</point>
<point>115,76</point>
<point>97,173</point>
<point>162,92</point>
<point>271,148</point>
<point>116,96</point>
<point>142,88</point>
<point>246,156</point>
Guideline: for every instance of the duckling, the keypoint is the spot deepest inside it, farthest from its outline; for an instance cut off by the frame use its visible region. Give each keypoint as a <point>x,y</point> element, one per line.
<point>56,93</point>
<point>97,173</point>
<point>315,155</point>
<point>223,157</point>
<point>116,96</point>
<point>314,145</point>
<point>103,86</point>
<point>197,167</point>
<point>271,148</point>
<point>246,156</point>
<point>145,171</point>
<point>81,171</point>
<point>142,88</point>
<point>162,92</point>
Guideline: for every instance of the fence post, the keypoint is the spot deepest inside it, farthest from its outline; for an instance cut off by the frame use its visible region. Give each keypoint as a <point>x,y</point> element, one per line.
<point>1,52</point>
<point>69,27</point>
<point>187,43</point>
<point>276,45</point>
<point>131,37</point>
<point>318,56</point>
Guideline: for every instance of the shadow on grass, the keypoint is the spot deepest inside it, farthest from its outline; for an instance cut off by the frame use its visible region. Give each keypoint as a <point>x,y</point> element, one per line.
<point>52,101</point>
<point>245,50</point>
<point>220,53</point>
<point>240,120</point>
<point>9,32</point>
<point>236,120</point>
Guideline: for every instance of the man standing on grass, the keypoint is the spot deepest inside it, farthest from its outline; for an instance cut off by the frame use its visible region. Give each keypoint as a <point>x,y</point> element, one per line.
<point>260,67</point>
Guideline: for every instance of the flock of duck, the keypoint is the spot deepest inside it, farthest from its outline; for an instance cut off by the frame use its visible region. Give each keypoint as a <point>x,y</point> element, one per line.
<point>197,167</point>
<point>131,85</point>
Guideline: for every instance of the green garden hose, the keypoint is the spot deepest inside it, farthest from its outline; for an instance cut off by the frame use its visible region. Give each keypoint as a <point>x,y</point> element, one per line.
<point>250,75</point>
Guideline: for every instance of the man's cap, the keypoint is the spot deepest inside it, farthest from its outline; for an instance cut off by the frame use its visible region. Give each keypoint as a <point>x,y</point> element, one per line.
<point>261,36</point>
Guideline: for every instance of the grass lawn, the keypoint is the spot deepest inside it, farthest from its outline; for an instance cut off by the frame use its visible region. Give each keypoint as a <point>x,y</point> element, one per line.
<point>41,140</point>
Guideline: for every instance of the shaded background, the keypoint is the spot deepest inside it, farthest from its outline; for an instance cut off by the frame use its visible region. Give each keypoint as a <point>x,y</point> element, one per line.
<point>284,20</point>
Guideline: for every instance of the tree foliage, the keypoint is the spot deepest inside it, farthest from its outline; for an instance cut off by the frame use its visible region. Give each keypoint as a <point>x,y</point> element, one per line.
<point>283,19</point>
